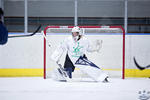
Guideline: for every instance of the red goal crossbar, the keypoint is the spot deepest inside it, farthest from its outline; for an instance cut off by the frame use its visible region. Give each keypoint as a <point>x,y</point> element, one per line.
<point>123,50</point>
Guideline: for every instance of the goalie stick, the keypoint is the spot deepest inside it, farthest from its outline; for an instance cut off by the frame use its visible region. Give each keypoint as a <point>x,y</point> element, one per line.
<point>46,39</point>
<point>138,66</point>
<point>27,35</point>
<point>60,69</point>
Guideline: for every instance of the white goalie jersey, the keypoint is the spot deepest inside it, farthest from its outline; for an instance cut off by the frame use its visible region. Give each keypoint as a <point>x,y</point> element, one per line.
<point>75,49</point>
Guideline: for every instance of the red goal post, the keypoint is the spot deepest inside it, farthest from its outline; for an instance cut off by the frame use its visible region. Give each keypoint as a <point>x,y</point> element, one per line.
<point>107,27</point>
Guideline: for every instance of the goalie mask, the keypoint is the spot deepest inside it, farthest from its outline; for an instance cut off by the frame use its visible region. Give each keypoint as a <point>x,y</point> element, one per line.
<point>76,33</point>
<point>75,29</point>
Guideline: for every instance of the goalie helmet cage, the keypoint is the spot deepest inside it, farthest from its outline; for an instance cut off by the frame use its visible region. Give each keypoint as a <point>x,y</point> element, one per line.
<point>55,29</point>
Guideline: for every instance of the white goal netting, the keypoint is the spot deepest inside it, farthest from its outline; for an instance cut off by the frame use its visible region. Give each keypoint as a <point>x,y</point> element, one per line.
<point>110,58</point>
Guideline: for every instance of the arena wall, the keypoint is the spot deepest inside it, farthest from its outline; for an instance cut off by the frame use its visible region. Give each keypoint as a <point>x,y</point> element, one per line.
<point>24,56</point>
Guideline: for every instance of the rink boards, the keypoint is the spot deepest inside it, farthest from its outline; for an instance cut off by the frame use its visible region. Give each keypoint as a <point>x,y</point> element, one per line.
<point>24,56</point>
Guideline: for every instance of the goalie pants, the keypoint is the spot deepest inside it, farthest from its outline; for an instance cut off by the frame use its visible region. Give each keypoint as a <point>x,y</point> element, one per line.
<point>68,66</point>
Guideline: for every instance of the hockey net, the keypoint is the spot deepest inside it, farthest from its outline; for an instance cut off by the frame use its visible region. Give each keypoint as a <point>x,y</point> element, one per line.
<point>111,57</point>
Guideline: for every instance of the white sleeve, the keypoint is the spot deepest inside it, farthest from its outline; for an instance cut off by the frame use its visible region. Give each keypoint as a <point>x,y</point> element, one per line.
<point>59,51</point>
<point>94,46</point>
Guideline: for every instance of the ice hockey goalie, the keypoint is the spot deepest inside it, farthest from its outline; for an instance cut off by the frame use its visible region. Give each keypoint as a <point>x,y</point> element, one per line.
<point>76,47</point>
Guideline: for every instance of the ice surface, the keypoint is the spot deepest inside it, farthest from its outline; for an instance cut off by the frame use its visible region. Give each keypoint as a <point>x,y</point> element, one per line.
<point>36,88</point>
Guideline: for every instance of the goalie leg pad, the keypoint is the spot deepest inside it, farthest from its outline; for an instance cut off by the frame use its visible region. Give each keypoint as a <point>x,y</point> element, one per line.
<point>90,69</point>
<point>84,61</point>
<point>94,73</point>
<point>57,75</point>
